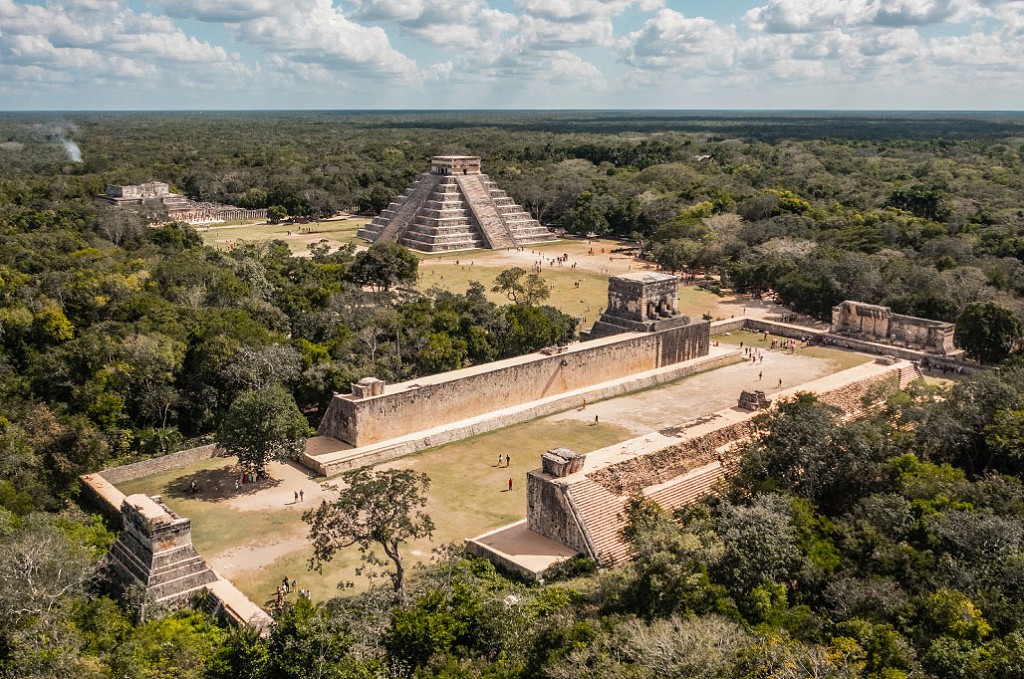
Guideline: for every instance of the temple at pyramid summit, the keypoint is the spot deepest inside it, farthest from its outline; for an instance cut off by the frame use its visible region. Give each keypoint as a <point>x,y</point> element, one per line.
<point>455,206</point>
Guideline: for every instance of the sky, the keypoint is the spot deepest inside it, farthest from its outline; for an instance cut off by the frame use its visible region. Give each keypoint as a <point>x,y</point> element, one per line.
<point>511,54</point>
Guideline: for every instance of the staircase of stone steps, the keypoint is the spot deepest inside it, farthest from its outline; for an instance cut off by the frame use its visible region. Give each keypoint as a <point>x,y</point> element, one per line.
<point>182,580</point>
<point>481,205</point>
<point>688,490</point>
<point>524,228</point>
<point>443,224</point>
<point>908,374</point>
<point>405,211</point>
<point>600,513</point>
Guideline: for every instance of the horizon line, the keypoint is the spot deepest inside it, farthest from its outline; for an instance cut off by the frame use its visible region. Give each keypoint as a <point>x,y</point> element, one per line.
<point>526,110</point>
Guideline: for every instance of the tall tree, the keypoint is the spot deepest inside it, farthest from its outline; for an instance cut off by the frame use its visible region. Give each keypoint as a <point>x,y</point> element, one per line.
<point>382,508</point>
<point>263,425</point>
<point>988,332</point>
<point>521,287</point>
<point>383,266</point>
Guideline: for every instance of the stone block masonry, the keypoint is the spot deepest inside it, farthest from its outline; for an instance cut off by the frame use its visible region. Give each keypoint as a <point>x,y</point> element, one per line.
<point>455,207</point>
<point>155,465</point>
<point>879,324</point>
<point>460,394</point>
<point>331,463</point>
<point>640,302</point>
<point>155,551</point>
<point>580,506</point>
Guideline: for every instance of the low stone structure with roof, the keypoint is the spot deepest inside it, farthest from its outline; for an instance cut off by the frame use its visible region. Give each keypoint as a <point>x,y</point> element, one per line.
<point>875,323</point>
<point>644,301</point>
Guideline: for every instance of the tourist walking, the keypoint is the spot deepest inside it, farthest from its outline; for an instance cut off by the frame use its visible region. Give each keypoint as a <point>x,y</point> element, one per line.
<point>510,483</point>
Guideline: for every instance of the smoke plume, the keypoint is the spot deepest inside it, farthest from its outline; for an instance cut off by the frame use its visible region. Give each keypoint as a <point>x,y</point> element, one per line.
<point>71,148</point>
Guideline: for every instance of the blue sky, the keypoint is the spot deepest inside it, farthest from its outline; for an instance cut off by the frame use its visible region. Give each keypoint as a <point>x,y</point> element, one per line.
<point>452,54</point>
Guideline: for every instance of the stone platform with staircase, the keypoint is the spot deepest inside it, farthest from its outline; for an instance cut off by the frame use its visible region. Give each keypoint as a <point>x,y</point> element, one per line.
<point>455,207</point>
<point>155,552</point>
<point>578,502</point>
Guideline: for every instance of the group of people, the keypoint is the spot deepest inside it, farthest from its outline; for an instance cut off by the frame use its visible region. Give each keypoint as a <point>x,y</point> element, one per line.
<point>285,588</point>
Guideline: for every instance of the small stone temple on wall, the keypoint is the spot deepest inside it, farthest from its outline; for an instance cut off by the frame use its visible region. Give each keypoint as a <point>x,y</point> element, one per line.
<point>640,302</point>
<point>646,332</point>
<point>455,206</point>
<point>874,323</point>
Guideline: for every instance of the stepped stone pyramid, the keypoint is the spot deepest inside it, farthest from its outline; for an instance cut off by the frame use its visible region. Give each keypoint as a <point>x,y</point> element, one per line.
<point>455,207</point>
<point>155,550</point>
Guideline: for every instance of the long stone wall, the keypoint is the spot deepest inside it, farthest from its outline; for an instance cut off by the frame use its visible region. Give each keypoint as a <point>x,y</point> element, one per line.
<point>154,465</point>
<point>360,457</point>
<point>418,405</point>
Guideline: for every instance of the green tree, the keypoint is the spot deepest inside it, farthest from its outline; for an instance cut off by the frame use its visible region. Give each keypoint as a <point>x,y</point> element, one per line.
<point>373,508</point>
<point>263,425</point>
<point>521,287</point>
<point>988,331</point>
<point>383,266</point>
<point>276,213</point>
<point>675,254</point>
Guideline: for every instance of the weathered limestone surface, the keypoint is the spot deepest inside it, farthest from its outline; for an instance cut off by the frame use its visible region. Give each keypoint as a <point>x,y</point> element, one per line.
<point>155,550</point>
<point>640,302</point>
<point>455,207</point>
<point>752,400</point>
<point>879,324</point>
<point>179,207</point>
<point>583,508</point>
<point>137,192</point>
<point>449,397</point>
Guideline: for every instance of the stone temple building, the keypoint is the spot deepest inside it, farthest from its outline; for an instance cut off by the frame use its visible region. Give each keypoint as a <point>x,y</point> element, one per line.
<point>644,301</point>
<point>155,551</point>
<point>874,323</point>
<point>455,207</point>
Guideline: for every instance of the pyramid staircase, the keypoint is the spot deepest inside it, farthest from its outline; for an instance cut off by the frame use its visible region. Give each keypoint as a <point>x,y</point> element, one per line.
<point>485,212</point>
<point>600,514</point>
<point>451,212</point>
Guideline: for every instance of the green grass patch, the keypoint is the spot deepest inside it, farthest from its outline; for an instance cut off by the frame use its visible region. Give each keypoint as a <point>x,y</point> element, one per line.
<point>335,232</point>
<point>468,496</point>
<point>587,300</point>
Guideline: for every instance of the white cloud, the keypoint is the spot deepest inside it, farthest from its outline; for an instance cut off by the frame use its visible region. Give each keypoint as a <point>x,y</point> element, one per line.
<point>808,16</point>
<point>582,10</point>
<point>456,25</point>
<point>674,41</point>
<point>91,40</point>
<point>315,32</point>
<point>226,11</point>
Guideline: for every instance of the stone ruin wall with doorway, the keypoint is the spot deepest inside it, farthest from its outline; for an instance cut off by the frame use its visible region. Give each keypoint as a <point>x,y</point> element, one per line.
<point>879,324</point>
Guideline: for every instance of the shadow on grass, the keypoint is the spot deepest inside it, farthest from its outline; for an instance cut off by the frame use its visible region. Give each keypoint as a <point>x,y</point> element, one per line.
<point>214,485</point>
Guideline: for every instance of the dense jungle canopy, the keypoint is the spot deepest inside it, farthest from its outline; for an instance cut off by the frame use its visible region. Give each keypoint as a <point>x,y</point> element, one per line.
<point>890,547</point>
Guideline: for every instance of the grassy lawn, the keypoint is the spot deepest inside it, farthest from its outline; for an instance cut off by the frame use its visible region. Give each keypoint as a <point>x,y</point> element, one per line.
<point>840,360</point>
<point>337,233</point>
<point>565,296</point>
<point>587,300</point>
<point>468,496</point>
